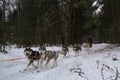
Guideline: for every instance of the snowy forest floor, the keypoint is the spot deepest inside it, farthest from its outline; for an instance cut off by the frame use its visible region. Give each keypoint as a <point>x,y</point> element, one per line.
<point>101,62</point>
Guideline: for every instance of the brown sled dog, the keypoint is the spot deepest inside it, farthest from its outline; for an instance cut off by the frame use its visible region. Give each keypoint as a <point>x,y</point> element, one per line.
<point>64,51</point>
<point>86,46</point>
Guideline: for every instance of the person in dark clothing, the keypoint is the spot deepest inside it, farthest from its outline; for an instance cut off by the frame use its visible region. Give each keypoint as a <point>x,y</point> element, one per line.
<point>90,41</point>
<point>63,40</point>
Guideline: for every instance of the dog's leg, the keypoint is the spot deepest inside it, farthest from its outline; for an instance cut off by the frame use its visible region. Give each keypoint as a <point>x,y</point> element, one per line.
<point>38,69</point>
<point>75,53</point>
<point>34,65</point>
<point>55,62</point>
<point>41,62</point>
<point>31,62</point>
<point>68,53</point>
<point>47,62</point>
<point>64,53</point>
<point>78,52</point>
<point>38,63</point>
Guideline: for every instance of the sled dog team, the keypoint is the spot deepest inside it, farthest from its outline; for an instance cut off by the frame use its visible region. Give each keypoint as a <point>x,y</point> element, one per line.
<point>47,55</point>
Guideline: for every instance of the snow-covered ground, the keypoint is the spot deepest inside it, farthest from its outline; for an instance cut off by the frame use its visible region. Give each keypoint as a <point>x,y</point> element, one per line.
<point>101,62</point>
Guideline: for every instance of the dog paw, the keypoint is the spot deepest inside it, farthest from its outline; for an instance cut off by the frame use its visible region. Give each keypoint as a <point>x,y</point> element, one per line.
<point>52,67</point>
<point>24,69</point>
<point>38,71</point>
<point>21,71</point>
<point>36,67</point>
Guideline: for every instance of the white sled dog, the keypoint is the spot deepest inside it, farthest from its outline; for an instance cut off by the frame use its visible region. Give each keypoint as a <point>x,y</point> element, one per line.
<point>64,51</point>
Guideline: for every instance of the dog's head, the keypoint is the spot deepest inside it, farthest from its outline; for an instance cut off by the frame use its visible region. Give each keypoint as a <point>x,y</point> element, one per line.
<point>42,53</point>
<point>28,52</point>
<point>42,48</point>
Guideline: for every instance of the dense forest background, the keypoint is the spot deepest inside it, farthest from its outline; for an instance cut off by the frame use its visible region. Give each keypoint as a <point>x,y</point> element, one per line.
<point>36,22</point>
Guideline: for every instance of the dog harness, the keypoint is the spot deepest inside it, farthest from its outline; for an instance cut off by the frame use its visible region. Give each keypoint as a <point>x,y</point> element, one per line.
<point>35,55</point>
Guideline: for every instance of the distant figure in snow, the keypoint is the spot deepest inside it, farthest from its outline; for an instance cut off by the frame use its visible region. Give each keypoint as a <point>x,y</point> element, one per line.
<point>90,41</point>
